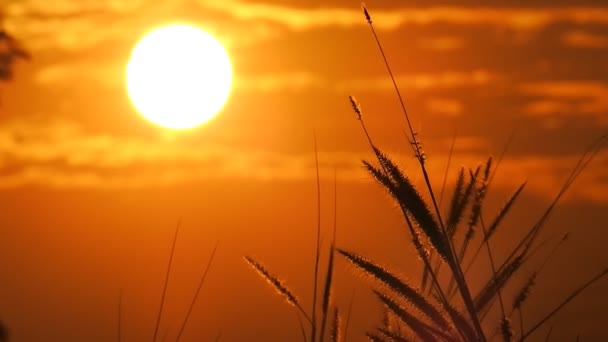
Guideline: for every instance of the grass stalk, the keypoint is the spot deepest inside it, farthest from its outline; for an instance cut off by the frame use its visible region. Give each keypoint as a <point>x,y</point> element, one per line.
<point>452,260</point>
<point>166,282</point>
<point>318,247</point>
<point>348,314</point>
<point>492,265</point>
<point>119,320</point>
<point>196,293</point>
<point>567,300</point>
<point>415,238</point>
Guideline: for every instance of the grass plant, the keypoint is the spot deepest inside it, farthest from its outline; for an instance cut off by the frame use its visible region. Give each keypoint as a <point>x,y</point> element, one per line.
<point>443,310</point>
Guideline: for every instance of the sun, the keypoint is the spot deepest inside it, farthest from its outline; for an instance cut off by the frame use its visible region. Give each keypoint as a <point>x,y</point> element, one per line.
<point>178,76</point>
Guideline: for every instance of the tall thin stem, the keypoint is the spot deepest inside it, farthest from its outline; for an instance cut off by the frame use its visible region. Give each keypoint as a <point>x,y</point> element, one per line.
<point>318,249</point>
<point>164,293</point>
<point>198,290</point>
<point>452,258</point>
<point>119,323</point>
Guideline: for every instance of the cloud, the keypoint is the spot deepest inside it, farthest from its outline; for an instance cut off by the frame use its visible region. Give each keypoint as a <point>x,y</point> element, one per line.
<point>61,154</point>
<point>422,81</point>
<point>108,75</point>
<point>112,75</point>
<point>78,25</point>
<point>444,43</point>
<point>272,83</point>
<point>583,39</point>
<point>522,18</point>
<point>567,98</point>
<point>447,107</point>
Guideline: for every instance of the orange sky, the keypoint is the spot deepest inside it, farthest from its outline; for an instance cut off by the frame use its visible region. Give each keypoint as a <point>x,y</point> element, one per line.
<point>92,192</point>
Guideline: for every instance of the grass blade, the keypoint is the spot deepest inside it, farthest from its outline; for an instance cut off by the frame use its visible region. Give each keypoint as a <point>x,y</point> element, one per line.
<point>568,299</point>
<point>164,293</point>
<point>196,293</point>
<point>313,333</point>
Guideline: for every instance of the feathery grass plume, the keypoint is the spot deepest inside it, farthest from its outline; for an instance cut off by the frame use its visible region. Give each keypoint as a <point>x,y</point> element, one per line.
<point>506,329</point>
<point>524,292</point>
<point>486,242</point>
<point>167,273</point>
<point>588,155</point>
<point>452,221</point>
<point>502,154</point>
<point>356,106</point>
<point>567,300</point>
<point>451,257</point>
<point>480,194</point>
<point>503,211</point>
<point>496,222</point>
<point>330,265</point>
<point>395,337</point>
<point>419,328</point>
<point>327,292</point>
<point>463,326</point>
<point>411,200</point>
<point>386,319</point>
<point>375,337</point>
<point>525,257</point>
<point>404,211</point>
<point>457,210</point>
<point>460,200</point>
<point>382,177</point>
<point>458,215</point>
<point>335,332</point>
<point>368,17</point>
<point>392,282</point>
<point>196,293</point>
<point>495,284</point>
<point>281,289</point>
<point>478,199</point>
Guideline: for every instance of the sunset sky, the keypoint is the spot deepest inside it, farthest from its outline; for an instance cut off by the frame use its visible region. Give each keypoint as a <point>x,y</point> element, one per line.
<point>92,192</point>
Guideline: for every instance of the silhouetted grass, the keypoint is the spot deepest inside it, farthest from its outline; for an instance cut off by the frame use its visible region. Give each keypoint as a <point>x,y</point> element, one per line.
<point>445,238</point>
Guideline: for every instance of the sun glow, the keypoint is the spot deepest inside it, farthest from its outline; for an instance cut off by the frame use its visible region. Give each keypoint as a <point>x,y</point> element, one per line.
<point>178,76</point>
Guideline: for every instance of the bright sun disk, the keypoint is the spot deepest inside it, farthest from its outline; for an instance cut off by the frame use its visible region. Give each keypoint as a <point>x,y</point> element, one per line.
<point>178,76</point>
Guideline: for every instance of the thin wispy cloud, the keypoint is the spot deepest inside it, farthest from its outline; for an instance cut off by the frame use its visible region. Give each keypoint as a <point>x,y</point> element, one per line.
<point>442,43</point>
<point>568,98</point>
<point>522,18</point>
<point>445,106</point>
<point>113,75</point>
<point>431,81</point>
<point>61,154</point>
<point>584,39</point>
<point>73,25</point>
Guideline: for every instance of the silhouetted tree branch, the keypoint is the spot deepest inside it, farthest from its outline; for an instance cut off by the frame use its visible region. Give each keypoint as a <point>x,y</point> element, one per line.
<point>10,52</point>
